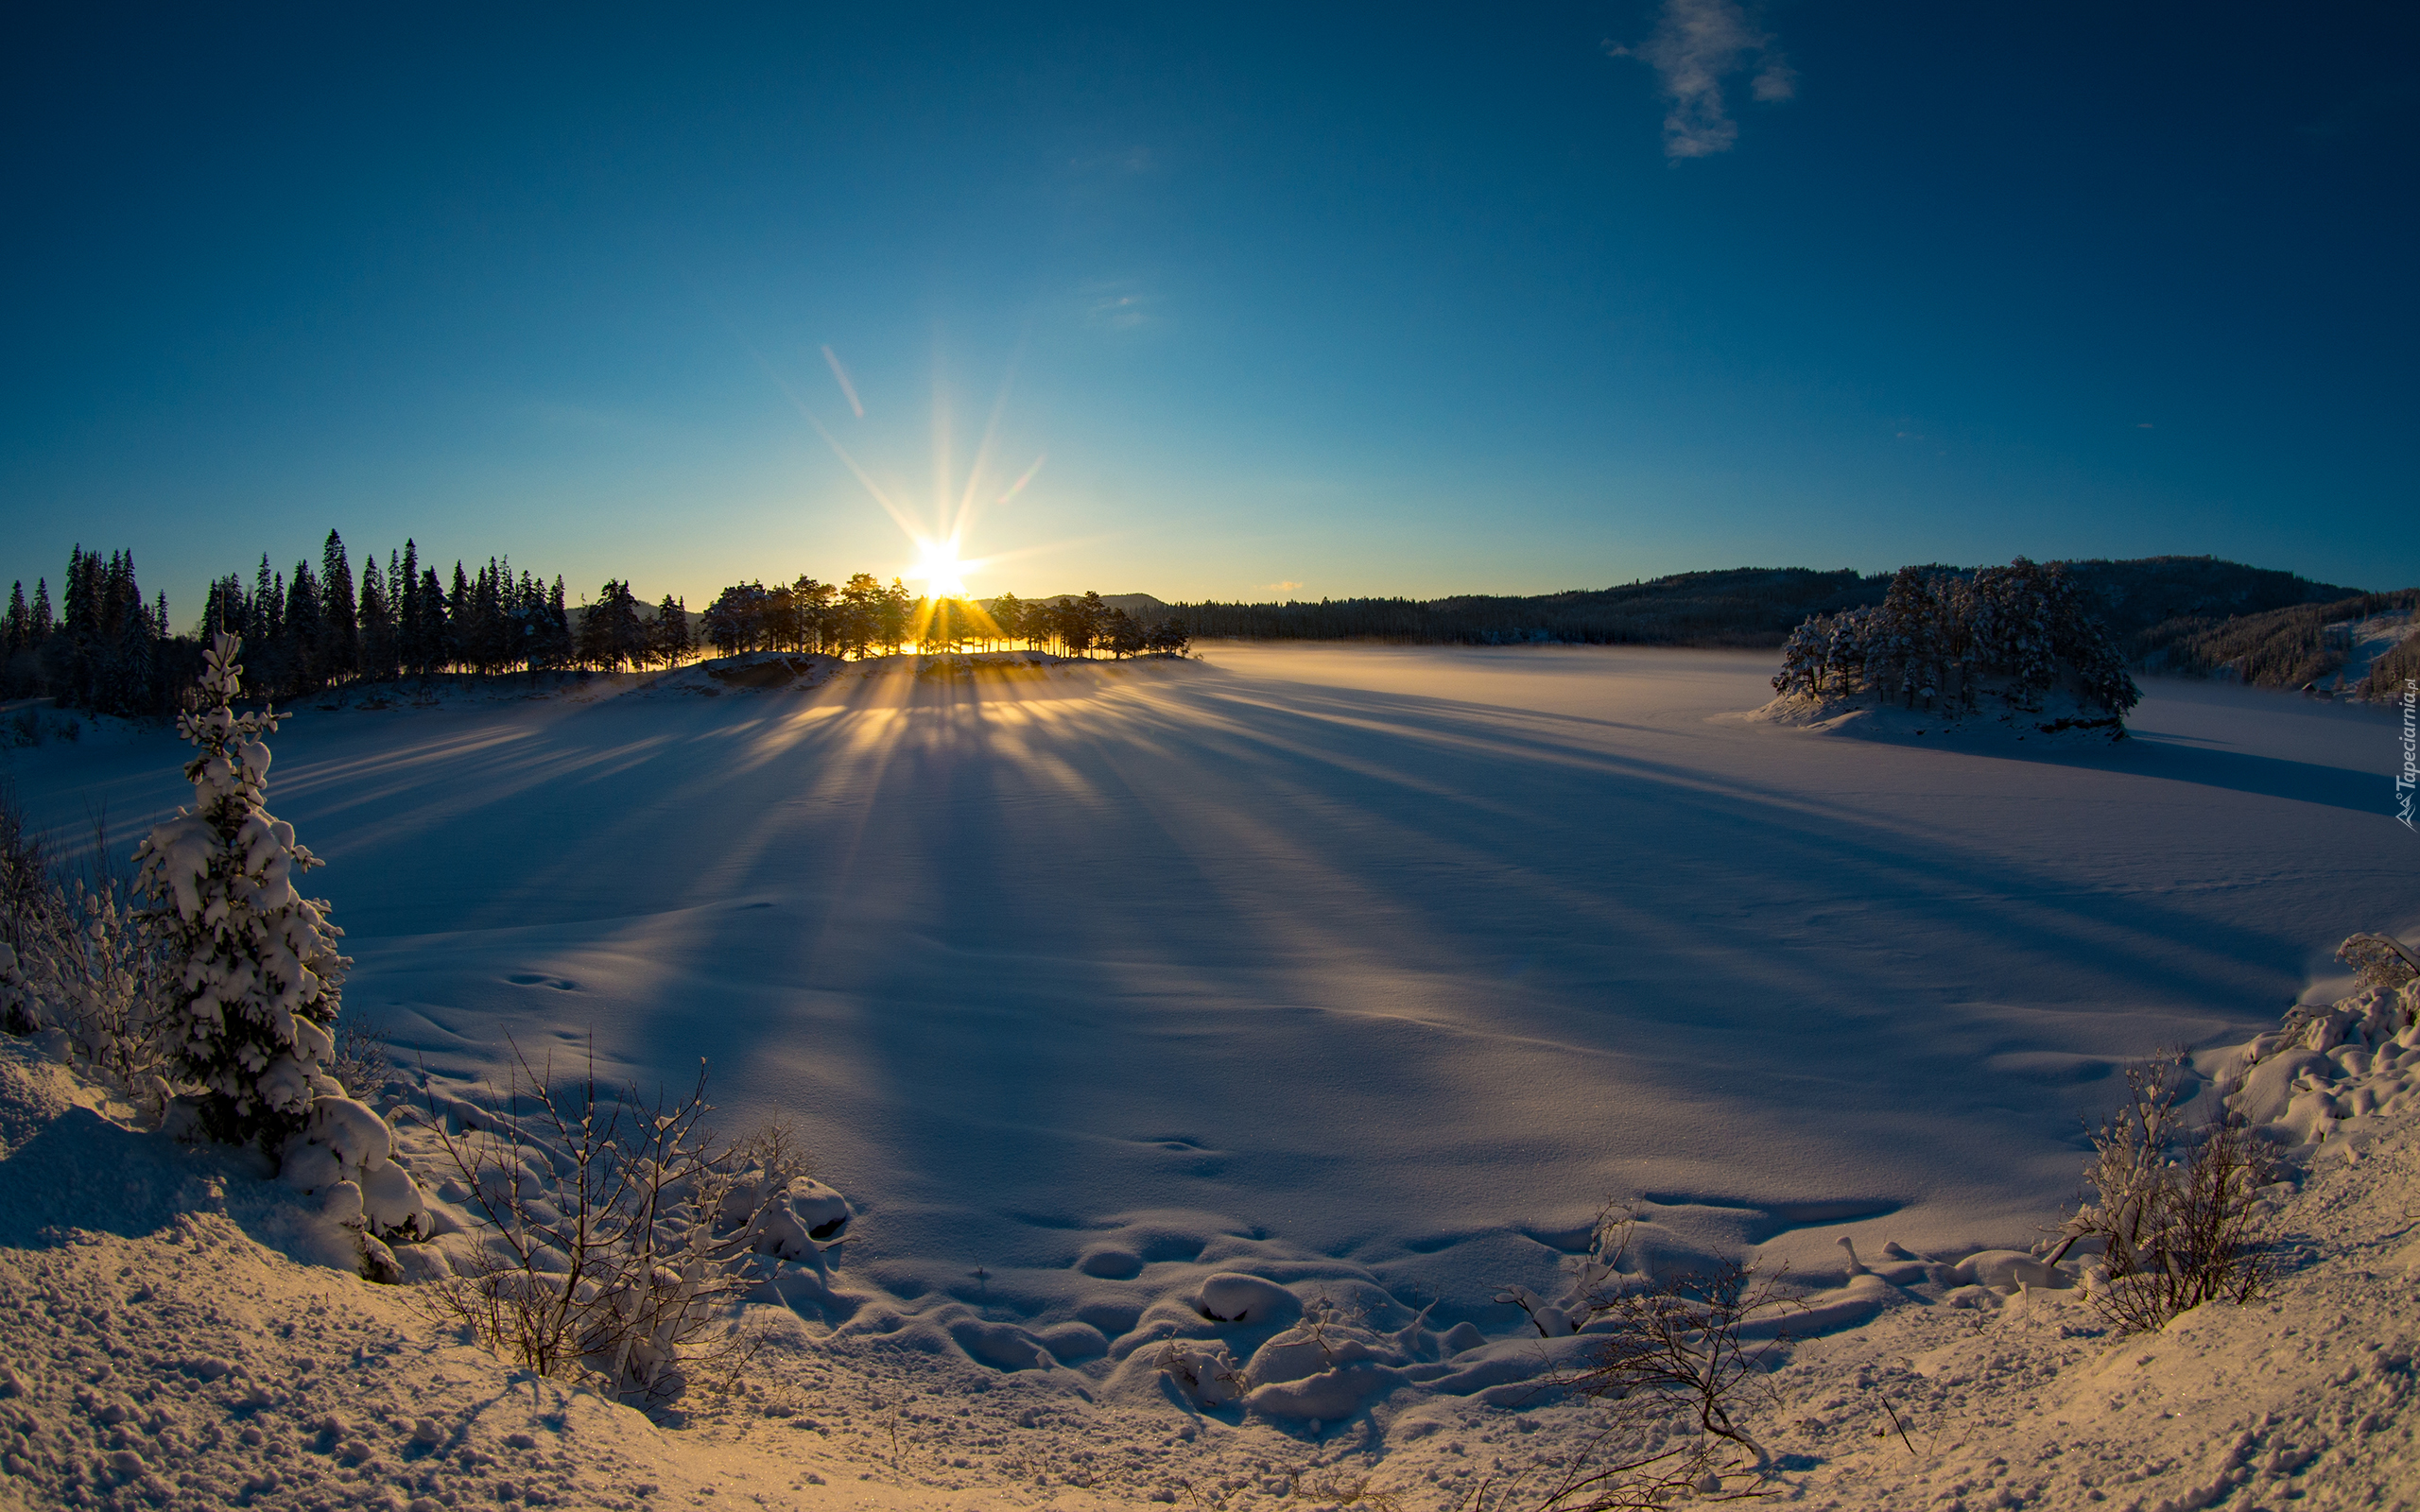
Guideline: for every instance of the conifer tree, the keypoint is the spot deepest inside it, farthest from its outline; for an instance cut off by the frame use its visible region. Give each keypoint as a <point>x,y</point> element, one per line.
<point>255,979</point>
<point>403,581</point>
<point>668,641</point>
<point>376,621</point>
<point>558,647</point>
<point>611,633</point>
<point>339,614</point>
<point>461,620</point>
<point>303,630</point>
<point>436,635</point>
<point>262,610</point>
<point>67,661</point>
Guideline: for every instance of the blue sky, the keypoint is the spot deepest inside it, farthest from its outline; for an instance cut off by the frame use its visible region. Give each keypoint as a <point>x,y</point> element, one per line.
<point>1286,301</point>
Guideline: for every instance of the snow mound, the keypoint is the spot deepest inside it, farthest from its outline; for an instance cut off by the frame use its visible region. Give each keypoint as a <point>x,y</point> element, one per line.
<point>2325,1067</point>
<point>2062,720</point>
<point>748,672</point>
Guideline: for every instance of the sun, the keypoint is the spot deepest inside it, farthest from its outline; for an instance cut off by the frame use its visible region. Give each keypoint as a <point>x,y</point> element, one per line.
<point>944,575</point>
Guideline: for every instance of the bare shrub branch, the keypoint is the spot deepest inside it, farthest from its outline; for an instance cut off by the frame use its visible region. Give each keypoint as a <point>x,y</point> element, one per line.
<point>81,956</point>
<point>619,1231</point>
<point>1676,1366</point>
<point>2171,1209</point>
<point>1680,1336</point>
<point>362,1062</point>
<point>2382,962</point>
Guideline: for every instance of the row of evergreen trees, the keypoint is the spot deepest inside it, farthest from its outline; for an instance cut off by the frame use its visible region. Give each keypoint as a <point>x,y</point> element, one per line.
<point>316,631</point>
<point>324,625</point>
<point>107,650</point>
<point>1078,627</point>
<point>862,616</point>
<point>1943,638</point>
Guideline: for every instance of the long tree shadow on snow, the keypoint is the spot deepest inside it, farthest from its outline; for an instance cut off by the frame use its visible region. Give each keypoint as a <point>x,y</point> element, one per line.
<point>1219,944</point>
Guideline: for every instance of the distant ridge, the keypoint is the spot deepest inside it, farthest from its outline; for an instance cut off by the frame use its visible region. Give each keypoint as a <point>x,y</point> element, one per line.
<point>1739,607</point>
<point>1130,603</point>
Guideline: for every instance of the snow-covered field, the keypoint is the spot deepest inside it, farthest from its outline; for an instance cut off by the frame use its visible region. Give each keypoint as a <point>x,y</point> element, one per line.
<point>1368,970</point>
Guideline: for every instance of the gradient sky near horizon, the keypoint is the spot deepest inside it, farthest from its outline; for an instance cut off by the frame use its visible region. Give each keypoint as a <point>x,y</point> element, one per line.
<point>1302,302</point>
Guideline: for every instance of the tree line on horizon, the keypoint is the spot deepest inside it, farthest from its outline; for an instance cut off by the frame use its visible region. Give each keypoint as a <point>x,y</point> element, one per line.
<point>105,649</point>
<point>855,617</point>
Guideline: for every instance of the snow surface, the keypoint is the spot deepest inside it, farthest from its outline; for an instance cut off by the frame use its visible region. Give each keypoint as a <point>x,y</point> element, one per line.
<point>163,1348</point>
<point>1368,972</point>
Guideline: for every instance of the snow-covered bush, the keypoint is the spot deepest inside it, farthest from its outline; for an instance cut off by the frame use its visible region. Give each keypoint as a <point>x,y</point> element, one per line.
<point>78,958</point>
<point>2019,634</point>
<point>619,1236</point>
<point>91,967</point>
<point>255,975</point>
<point>2384,964</point>
<point>2172,1208</point>
<point>345,1153</point>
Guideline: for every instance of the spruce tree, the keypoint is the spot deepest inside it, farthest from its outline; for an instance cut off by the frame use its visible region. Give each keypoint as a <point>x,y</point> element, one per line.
<point>461,620</point>
<point>404,582</point>
<point>339,614</point>
<point>436,636</point>
<point>376,618</point>
<point>304,631</point>
<point>254,972</point>
<point>558,648</point>
<point>260,610</point>
<point>68,662</point>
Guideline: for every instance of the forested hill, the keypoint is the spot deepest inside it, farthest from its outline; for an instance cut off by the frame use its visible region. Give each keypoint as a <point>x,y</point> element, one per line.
<point>2133,596</point>
<point>1744,606</point>
<point>1751,606</point>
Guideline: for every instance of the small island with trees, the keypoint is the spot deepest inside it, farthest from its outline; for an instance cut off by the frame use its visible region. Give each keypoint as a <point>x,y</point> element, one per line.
<point>2012,646</point>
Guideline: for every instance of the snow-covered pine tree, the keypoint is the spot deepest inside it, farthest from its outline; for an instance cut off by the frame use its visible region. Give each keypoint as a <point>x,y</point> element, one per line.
<point>253,977</point>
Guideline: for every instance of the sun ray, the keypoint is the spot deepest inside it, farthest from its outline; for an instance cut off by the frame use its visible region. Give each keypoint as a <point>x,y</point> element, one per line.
<point>940,562</point>
<point>847,388</point>
<point>1018,487</point>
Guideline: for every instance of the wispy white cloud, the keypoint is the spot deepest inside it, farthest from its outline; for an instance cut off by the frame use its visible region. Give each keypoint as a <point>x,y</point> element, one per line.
<point>1279,586</point>
<point>1695,46</point>
<point>1120,304</point>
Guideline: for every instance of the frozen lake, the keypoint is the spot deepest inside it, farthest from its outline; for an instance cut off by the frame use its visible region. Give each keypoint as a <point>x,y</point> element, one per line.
<point>1390,960</point>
